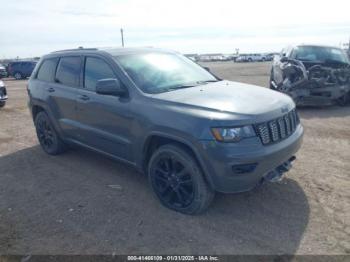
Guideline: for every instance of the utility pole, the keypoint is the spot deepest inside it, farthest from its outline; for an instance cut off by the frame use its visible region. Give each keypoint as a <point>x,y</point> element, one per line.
<point>122,34</point>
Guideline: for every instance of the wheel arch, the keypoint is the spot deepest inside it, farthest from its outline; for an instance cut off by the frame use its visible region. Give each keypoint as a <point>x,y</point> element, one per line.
<point>156,140</point>
<point>36,109</point>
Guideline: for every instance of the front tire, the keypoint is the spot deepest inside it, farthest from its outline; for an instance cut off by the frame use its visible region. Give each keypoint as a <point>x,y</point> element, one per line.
<point>344,100</point>
<point>177,180</point>
<point>47,136</point>
<point>2,103</point>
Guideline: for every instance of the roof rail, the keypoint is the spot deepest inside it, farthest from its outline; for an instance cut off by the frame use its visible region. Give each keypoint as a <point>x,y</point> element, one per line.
<point>76,49</point>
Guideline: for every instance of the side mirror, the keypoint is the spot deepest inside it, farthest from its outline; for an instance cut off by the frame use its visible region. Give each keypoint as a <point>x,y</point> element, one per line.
<point>110,86</point>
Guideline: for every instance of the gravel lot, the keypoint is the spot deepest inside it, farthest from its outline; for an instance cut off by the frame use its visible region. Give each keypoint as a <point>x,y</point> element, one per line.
<point>83,203</point>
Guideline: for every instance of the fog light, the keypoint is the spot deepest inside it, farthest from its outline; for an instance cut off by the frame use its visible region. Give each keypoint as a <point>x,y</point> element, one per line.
<point>243,169</point>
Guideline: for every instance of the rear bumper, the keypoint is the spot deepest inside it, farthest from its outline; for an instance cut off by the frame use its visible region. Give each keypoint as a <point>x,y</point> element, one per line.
<point>240,167</point>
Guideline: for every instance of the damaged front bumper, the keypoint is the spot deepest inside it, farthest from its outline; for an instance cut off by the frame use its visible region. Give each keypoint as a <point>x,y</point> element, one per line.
<point>316,86</point>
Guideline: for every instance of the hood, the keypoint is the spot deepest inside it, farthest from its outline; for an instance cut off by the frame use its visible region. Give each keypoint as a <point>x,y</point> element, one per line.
<point>331,64</point>
<point>231,97</point>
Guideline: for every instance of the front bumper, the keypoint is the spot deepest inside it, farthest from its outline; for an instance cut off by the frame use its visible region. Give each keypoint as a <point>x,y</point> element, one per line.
<point>221,160</point>
<point>318,96</point>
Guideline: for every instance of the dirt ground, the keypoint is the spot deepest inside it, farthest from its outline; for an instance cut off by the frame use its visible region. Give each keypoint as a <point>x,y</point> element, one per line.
<point>83,203</point>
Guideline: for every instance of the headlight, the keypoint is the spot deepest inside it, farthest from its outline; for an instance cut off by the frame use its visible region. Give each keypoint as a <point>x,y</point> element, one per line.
<point>232,134</point>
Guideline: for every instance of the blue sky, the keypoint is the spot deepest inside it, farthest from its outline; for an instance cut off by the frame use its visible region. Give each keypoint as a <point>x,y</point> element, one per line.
<point>35,27</point>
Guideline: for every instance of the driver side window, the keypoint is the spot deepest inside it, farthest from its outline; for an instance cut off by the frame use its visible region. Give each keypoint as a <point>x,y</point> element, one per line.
<point>95,70</point>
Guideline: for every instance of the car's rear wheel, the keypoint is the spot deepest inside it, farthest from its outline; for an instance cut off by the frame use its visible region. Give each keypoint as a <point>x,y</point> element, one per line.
<point>2,103</point>
<point>18,75</point>
<point>178,181</point>
<point>47,136</point>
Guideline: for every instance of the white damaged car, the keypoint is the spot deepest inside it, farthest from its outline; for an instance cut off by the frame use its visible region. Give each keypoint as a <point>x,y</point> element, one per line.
<point>3,94</point>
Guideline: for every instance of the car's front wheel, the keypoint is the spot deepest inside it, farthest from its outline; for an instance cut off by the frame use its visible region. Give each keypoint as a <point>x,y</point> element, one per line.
<point>2,103</point>
<point>178,181</point>
<point>47,135</point>
<point>344,100</point>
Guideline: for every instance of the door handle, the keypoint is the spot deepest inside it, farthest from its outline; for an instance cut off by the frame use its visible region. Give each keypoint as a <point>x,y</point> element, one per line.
<point>50,89</point>
<point>84,97</point>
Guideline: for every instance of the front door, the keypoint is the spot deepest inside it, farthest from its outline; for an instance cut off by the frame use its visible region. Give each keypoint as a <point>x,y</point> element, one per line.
<point>104,119</point>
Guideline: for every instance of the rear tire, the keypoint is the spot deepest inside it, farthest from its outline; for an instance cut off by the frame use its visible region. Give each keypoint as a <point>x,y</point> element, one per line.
<point>18,75</point>
<point>178,181</point>
<point>2,104</point>
<point>47,135</point>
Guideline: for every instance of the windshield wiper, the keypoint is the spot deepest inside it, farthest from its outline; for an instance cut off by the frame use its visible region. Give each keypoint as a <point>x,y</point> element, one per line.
<point>190,85</point>
<point>181,87</point>
<point>208,81</point>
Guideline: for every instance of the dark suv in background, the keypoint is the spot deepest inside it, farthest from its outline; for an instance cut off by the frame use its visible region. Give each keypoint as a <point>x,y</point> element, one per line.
<point>21,69</point>
<point>190,132</point>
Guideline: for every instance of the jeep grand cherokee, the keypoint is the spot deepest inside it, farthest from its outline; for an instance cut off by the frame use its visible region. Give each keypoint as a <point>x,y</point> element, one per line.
<point>190,132</point>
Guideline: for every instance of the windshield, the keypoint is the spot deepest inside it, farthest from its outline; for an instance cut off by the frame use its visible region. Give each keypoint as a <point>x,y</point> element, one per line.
<point>162,72</point>
<point>320,53</point>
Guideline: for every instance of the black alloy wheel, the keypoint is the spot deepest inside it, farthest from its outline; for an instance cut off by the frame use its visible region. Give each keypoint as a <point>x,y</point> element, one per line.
<point>177,180</point>
<point>47,135</point>
<point>173,182</point>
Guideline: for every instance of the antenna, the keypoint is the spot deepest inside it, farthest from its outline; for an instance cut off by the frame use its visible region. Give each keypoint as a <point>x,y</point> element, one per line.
<point>122,34</point>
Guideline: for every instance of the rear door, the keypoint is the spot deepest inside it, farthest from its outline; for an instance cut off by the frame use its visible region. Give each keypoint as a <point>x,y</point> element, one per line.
<point>62,92</point>
<point>104,119</point>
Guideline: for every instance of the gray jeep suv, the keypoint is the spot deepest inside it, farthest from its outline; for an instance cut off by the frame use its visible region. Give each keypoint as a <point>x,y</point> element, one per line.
<point>190,132</point>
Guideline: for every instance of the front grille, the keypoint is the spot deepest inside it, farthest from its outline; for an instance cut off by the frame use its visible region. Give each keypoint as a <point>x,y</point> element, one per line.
<point>277,129</point>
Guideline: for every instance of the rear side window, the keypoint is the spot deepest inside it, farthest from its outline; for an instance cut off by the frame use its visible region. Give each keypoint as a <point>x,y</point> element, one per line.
<point>47,70</point>
<point>68,71</point>
<point>96,69</point>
